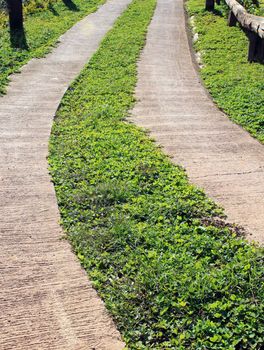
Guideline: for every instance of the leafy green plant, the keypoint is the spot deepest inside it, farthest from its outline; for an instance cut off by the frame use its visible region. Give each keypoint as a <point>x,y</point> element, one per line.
<point>254,7</point>
<point>172,275</point>
<point>251,6</point>
<point>42,30</point>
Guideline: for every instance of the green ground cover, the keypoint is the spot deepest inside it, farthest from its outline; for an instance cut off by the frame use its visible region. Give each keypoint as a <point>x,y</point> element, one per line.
<point>172,276</point>
<point>236,85</point>
<point>42,30</point>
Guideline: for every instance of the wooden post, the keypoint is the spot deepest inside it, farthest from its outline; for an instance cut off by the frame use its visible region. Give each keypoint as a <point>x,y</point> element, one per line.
<point>261,50</point>
<point>252,46</point>
<point>253,27</point>
<point>231,19</point>
<point>256,48</point>
<point>15,11</point>
<point>209,5</point>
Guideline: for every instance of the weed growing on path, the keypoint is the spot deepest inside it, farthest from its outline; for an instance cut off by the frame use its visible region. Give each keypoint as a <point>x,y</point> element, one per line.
<point>171,276</point>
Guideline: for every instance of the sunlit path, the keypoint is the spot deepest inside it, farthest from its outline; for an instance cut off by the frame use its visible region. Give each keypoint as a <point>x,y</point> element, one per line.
<point>46,300</point>
<point>218,155</point>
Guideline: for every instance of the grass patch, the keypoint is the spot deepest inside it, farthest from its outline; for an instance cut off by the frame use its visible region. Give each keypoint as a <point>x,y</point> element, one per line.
<point>170,274</point>
<point>42,30</point>
<point>236,85</point>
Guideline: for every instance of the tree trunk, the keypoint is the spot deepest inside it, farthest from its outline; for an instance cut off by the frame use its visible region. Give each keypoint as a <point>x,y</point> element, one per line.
<point>209,5</point>
<point>15,11</point>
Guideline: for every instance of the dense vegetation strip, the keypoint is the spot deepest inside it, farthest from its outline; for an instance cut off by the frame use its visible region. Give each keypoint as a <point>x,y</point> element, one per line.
<point>42,30</point>
<point>236,85</point>
<point>171,274</point>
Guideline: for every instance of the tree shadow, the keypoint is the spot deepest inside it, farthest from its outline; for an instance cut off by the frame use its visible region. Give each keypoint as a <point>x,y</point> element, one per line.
<point>71,5</point>
<point>218,13</point>
<point>52,9</point>
<point>18,39</point>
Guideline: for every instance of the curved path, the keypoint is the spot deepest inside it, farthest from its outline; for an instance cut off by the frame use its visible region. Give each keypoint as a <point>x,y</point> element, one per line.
<point>218,155</point>
<point>46,300</point>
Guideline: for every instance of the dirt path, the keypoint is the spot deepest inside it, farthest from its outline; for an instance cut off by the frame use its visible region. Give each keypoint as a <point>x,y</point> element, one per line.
<point>46,300</point>
<point>218,155</point>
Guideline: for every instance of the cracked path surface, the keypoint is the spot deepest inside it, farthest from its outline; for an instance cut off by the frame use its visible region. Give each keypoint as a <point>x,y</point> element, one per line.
<point>218,155</point>
<point>46,299</point>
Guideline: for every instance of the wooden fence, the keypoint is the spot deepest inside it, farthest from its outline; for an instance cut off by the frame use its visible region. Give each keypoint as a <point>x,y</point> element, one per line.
<point>251,24</point>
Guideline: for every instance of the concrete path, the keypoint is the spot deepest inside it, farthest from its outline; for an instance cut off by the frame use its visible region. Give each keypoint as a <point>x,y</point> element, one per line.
<point>218,155</point>
<point>46,300</point>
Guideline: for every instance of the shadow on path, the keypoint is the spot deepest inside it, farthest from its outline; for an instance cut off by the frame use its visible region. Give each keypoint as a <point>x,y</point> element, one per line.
<point>71,5</point>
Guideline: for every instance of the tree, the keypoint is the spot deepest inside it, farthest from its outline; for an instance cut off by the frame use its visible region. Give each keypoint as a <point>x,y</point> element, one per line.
<point>15,10</point>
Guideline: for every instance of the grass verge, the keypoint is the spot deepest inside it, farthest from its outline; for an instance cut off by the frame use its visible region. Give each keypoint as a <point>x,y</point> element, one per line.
<point>236,85</point>
<point>42,30</point>
<point>171,275</point>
